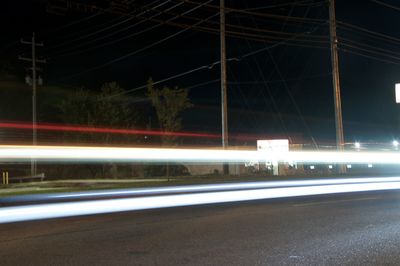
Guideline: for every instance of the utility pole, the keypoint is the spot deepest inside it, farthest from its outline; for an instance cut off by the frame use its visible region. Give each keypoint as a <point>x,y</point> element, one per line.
<point>336,81</point>
<point>224,104</point>
<point>33,60</point>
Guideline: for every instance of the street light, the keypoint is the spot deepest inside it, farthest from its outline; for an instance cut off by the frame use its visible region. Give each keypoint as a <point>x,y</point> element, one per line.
<point>357,145</point>
<point>395,143</point>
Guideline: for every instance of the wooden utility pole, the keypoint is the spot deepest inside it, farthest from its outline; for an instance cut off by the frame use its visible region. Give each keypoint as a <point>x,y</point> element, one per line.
<point>34,60</point>
<point>336,81</point>
<point>224,105</point>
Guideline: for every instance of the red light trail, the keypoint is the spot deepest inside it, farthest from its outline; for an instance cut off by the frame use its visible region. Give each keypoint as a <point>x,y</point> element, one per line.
<point>84,129</point>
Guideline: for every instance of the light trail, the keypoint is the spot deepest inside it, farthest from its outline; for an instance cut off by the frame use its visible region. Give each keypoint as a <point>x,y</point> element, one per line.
<point>85,129</point>
<point>69,153</point>
<point>196,188</point>
<point>105,130</point>
<point>58,210</point>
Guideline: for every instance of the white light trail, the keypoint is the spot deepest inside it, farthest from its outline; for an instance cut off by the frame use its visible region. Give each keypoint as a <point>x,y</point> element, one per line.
<point>62,153</point>
<point>58,210</point>
<point>199,188</point>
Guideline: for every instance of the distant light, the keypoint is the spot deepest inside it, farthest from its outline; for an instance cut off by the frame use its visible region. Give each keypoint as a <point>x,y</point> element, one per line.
<point>357,145</point>
<point>312,167</point>
<point>330,166</point>
<point>349,166</point>
<point>397,88</point>
<point>369,165</point>
<point>395,143</point>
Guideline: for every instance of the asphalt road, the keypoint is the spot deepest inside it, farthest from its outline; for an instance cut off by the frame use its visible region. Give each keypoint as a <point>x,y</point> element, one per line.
<point>347,229</point>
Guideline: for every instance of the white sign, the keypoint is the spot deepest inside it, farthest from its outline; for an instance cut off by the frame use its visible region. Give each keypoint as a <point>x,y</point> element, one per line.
<point>276,145</point>
<point>397,92</point>
<point>273,145</point>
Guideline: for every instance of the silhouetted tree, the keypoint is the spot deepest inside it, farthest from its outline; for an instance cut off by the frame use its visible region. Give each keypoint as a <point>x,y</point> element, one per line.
<point>168,103</point>
<point>106,109</point>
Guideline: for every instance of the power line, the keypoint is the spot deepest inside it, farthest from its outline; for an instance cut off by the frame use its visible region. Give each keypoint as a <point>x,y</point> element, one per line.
<point>78,21</point>
<point>280,80</point>
<point>160,23</point>
<point>139,50</point>
<point>386,5</point>
<point>202,84</point>
<point>103,25</point>
<point>248,28</point>
<point>242,96</point>
<point>267,15</point>
<point>369,56</point>
<point>204,29</point>
<point>266,87</point>
<point>374,34</point>
<point>100,12</point>
<point>208,66</point>
<point>295,3</point>
<point>241,35</point>
<point>369,50</point>
<point>123,57</point>
<point>369,46</point>
<point>108,27</point>
<point>383,51</point>
<point>114,33</point>
<point>233,10</point>
<point>286,85</point>
<point>234,34</point>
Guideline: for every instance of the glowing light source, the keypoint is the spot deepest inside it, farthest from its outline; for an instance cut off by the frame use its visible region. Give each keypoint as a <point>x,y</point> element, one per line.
<point>395,143</point>
<point>357,145</point>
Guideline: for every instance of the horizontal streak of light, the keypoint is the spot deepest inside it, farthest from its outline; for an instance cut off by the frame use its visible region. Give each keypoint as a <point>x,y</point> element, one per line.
<point>104,130</point>
<point>58,210</point>
<point>198,188</point>
<point>83,129</point>
<point>69,153</point>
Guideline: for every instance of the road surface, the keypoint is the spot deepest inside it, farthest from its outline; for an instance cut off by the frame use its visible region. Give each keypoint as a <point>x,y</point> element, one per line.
<point>345,229</point>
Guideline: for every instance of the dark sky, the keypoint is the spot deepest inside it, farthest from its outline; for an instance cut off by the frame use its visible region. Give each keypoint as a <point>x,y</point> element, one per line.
<point>280,91</point>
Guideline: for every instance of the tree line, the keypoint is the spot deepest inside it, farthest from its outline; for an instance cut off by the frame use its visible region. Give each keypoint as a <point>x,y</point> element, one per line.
<point>108,107</point>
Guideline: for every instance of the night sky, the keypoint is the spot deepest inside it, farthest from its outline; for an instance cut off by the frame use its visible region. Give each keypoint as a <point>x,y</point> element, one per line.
<point>284,90</point>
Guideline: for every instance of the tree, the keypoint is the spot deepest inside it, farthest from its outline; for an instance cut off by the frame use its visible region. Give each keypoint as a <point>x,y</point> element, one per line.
<point>168,103</point>
<point>107,109</point>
